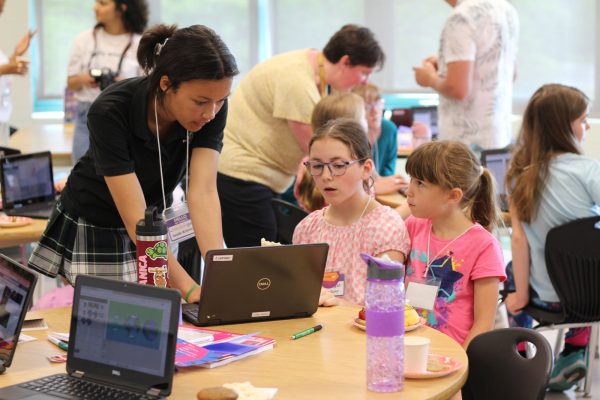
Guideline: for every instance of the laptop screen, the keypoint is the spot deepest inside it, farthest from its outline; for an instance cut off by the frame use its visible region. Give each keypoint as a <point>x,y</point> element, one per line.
<point>16,287</point>
<point>123,331</point>
<point>428,116</point>
<point>27,179</point>
<point>497,162</point>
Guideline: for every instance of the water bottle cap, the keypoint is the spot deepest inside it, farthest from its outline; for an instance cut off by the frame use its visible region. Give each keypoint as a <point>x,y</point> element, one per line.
<point>152,224</point>
<point>379,269</point>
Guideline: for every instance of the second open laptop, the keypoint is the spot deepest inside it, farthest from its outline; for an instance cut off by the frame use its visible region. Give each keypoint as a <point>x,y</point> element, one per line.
<point>27,185</point>
<point>497,160</point>
<point>121,345</point>
<point>259,283</point>
<point>16,288</point>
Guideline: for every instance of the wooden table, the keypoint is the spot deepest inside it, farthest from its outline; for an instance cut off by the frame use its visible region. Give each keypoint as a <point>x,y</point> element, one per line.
<point>22,235</point>
<point>393,199</point>
<point>329,364</point>
<point>56,138</point>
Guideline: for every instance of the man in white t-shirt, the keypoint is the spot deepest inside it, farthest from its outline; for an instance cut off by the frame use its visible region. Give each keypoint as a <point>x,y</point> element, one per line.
<point>474,72</point>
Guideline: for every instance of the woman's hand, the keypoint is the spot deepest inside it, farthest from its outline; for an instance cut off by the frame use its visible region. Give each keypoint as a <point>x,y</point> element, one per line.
<point>15,66</point>
<point>327,299</point>
<point>390,184</point>
<point>516,301</point>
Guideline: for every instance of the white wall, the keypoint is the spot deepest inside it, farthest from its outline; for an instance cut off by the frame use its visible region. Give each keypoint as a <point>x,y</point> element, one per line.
<point>13,24</point>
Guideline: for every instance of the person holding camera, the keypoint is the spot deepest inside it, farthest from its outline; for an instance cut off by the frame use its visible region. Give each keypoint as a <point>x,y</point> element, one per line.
<point>101,56</point>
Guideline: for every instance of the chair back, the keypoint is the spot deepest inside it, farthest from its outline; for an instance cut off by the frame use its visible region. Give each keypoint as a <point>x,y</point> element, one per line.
<point>498,371</point>
<point>573,260</point>
<point>288,216</point>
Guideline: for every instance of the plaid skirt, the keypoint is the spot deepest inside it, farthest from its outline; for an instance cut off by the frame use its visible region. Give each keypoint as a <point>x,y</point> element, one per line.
<point>70,246</point>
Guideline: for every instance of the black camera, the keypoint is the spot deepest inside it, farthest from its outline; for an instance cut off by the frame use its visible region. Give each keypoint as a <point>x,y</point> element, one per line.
<point>103,76</point>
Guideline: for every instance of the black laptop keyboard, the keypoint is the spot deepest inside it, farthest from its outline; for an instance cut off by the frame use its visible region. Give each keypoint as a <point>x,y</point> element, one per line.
<point>67,387</point>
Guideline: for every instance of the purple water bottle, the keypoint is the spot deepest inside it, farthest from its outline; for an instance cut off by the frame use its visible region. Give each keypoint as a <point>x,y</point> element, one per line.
<point>384,305</point>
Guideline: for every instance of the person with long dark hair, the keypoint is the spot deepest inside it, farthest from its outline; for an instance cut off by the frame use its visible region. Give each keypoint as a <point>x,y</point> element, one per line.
<point>102,55</point>
<point>145,134</point>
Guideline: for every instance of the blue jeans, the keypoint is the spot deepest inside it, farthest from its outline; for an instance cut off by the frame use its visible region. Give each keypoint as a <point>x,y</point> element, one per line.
<point>81,136</point>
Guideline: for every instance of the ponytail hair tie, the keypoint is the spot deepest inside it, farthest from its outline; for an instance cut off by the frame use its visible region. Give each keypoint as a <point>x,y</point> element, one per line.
<point>159,46</point>
<point>481,170</point>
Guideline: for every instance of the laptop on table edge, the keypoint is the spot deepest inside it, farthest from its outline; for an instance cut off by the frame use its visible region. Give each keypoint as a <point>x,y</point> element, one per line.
<point>122,337</point>
<point>16,288</point>
<point>27,183</point>
<point>250,284</point>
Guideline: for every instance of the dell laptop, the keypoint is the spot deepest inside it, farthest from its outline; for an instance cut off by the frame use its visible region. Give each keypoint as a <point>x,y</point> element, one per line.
<point>121,344</point>
<point>27,185</point>
<point>497,160</point>
<point>16,288</point>
<point>251,284</point>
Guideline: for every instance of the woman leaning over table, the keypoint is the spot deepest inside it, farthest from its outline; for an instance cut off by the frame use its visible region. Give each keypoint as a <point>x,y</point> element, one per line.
<point>132,124</point>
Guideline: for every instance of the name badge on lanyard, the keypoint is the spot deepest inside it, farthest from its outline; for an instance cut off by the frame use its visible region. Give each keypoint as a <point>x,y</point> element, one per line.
<point>422,292</point>
<point>179,223</point>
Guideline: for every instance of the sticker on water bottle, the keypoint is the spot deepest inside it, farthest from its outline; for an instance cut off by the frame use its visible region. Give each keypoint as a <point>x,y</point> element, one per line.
<point>179,223</point>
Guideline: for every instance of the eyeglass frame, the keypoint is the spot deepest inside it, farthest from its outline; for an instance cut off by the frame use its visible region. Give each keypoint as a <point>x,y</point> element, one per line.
<point>379,103</point>
<point>346,164</point>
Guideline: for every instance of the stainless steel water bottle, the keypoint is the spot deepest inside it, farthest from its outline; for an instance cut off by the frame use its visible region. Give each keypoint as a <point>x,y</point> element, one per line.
<point>151,249</point>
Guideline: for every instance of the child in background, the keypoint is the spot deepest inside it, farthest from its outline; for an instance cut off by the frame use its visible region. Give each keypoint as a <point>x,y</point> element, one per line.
<point>337,105</point>
<point>454,207</point>
<point>383,138</point>
<point>353,223</point>
<point>550,183</point>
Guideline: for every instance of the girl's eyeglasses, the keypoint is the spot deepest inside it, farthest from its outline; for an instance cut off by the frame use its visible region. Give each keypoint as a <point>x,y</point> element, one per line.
<point>336,168</point>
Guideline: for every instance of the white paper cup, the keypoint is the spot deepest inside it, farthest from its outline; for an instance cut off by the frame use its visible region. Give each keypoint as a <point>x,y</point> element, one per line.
<point>416,349</point>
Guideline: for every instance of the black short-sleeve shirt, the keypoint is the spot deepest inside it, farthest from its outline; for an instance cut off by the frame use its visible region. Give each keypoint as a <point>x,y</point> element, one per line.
<point>121,143</point>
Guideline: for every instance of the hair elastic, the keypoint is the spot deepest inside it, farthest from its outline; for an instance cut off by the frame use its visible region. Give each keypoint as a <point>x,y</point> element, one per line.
<point>159,46</point>
<point>481,170</point>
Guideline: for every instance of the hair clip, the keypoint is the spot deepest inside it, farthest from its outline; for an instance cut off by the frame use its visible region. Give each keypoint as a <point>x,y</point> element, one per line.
<point>158,48</point>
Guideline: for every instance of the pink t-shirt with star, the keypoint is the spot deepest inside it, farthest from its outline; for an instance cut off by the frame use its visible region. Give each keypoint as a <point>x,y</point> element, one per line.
<point>377,232</point>
<point>476,254</point>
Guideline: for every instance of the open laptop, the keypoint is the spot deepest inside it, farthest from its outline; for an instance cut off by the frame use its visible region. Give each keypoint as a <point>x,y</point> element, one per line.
<point>27,185</point>
<point>121,344</point>
<point>251,284</point>
<point>8,151</point>
<point>429,116</point>
<point>16,288</point>
<point>497,160</point>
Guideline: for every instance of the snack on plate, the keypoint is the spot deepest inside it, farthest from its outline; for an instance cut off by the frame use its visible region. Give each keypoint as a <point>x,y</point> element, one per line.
<point>435,365</point>
<point>246,391</point>
<point>410,316</point>
<point>267,243</point>
<point>217,393</point>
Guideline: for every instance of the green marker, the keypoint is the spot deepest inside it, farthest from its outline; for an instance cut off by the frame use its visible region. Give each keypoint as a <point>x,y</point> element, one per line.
<point>306,332</point>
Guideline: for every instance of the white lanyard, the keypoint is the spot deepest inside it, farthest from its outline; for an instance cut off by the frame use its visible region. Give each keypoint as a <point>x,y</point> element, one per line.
<point>431,260</point>
<point>187,159</point>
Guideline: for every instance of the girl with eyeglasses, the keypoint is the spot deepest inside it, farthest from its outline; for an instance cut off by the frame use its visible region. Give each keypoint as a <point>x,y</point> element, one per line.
<point>341,165</point>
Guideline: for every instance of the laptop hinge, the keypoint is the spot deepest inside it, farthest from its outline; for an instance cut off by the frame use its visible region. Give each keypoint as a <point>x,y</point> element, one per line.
<point>153,392</point>
<point>78,374</point>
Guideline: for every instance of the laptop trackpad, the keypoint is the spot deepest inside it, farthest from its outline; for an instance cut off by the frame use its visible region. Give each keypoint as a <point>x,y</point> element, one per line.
<point>16,392</point>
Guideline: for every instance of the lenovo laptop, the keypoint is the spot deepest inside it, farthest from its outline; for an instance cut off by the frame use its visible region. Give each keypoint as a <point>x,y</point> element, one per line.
<point>121,344</point>
<point>497,160</point>
<point>27,185</point>
<point>16,288</point>
<point>259,283</point>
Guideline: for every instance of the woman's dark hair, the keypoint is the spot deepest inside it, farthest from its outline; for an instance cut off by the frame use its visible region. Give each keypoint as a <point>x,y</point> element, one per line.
<point>358,43</point>
<point>135,16</point>
<point>185,54</point>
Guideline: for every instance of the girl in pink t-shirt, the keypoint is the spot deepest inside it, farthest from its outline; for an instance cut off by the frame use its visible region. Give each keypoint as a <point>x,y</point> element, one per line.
<point>353,223</point>
<point>454,206</point>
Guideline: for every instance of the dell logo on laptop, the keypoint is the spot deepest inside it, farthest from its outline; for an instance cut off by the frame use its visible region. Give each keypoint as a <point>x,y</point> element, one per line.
<point>263,284</point>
